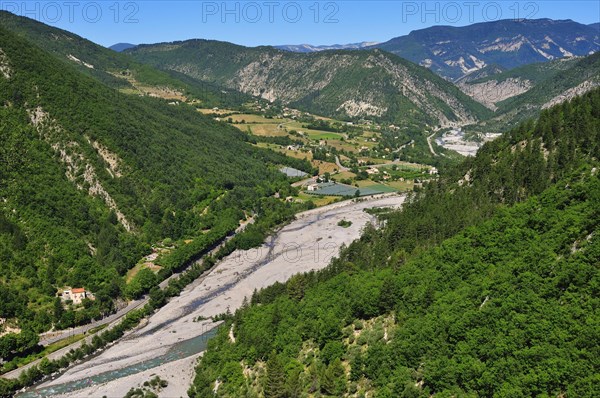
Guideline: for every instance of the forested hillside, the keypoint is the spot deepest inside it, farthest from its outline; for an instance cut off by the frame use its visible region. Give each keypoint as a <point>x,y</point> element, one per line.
<point>485,284</point>
<point>521,93</point>
<point>556,87</point>
<point>90,178</point>
<point>118,70</point>
<point>344,84</point>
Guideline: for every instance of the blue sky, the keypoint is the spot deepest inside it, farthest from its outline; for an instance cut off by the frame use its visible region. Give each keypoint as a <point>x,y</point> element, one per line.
<point>274,22</point>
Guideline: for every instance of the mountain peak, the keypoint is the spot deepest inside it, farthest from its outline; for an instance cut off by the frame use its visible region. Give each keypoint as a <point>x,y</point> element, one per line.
<point>308,48</point>
<point>120,47</point>
<point>454,52</point>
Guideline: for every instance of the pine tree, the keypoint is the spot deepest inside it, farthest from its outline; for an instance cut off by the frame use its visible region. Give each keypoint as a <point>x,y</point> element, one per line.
<point>356,368</point>
<point>275,384</point>
<point>58,309</point>
<point>334,379</point>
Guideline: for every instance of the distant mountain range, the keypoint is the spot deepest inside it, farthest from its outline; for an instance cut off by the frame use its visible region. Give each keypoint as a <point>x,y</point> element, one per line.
<point>521,93</point>
<point>337,83</point>
<point>486,71</point>
<point>492,85</point>
<point>357,81</point>
<point>457,295</point>
<point>454,52</point>
<point>307,48</point>
<point>119,47</point>
<point>515,68</point>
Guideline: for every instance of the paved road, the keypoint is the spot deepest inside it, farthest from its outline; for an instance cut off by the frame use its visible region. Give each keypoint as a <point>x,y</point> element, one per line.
<point>232,279</point>
<point>14,374</point>
<point>305,182</point>
<point>48,339</point>
<point>111,320</point>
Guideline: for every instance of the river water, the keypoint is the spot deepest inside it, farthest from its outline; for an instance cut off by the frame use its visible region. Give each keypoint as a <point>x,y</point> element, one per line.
<point>177,351</point>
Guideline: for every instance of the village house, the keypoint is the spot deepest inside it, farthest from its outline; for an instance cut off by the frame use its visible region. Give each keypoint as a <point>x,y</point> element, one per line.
<point>76,295</point>
<point>312,187</point>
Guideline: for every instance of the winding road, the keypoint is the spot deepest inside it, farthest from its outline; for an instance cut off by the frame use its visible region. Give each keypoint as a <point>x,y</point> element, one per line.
<point>429,137</point>
<point>111,320</point>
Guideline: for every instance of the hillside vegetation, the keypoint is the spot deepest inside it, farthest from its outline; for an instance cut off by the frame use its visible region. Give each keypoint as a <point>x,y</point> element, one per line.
<point>492,85</point>
<point>521,93</point>
<point>485,284</point>
<point>381,87</point>
<point>118,70</point>
<point>90,178</point>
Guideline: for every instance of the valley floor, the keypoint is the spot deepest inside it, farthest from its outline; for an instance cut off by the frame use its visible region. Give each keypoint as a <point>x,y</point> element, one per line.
<point>162,346</point>
<point>455,141</point>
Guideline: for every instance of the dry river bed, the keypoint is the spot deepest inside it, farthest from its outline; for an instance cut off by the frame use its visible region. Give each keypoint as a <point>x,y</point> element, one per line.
<point>170,342</point>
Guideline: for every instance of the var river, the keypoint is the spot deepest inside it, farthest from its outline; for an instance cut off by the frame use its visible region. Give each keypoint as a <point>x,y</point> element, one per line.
<point>173,338</point>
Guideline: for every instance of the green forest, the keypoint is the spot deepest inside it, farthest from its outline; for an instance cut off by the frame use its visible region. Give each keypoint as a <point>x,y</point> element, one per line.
<point>484,285</point>
<point>115,69</point>
<point>174,174</point>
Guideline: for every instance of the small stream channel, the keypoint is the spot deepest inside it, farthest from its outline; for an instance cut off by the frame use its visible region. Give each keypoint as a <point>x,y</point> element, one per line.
<point>180,350</point>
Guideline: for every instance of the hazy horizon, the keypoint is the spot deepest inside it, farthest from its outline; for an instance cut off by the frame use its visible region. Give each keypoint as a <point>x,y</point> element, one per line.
<point>254,23</point>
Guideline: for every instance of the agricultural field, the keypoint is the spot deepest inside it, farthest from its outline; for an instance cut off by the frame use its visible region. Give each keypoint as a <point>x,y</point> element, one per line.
<point>345,153</point>
<point>317,200</point>
<point>343,175</point>
<point>401,185</point>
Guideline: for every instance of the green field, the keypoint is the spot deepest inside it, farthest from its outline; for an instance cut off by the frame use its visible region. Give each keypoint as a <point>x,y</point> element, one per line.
<point>313,134</point>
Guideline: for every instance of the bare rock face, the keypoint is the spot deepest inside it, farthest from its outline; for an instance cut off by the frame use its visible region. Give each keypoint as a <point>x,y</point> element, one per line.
<point>569,94</point>
<point>491,92</point>
<point>454,52</point>
<point>78,169</point>
<point>5,69</point>
<point>276,77</point>
<point>287,79</point>
<point>531,88</point>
